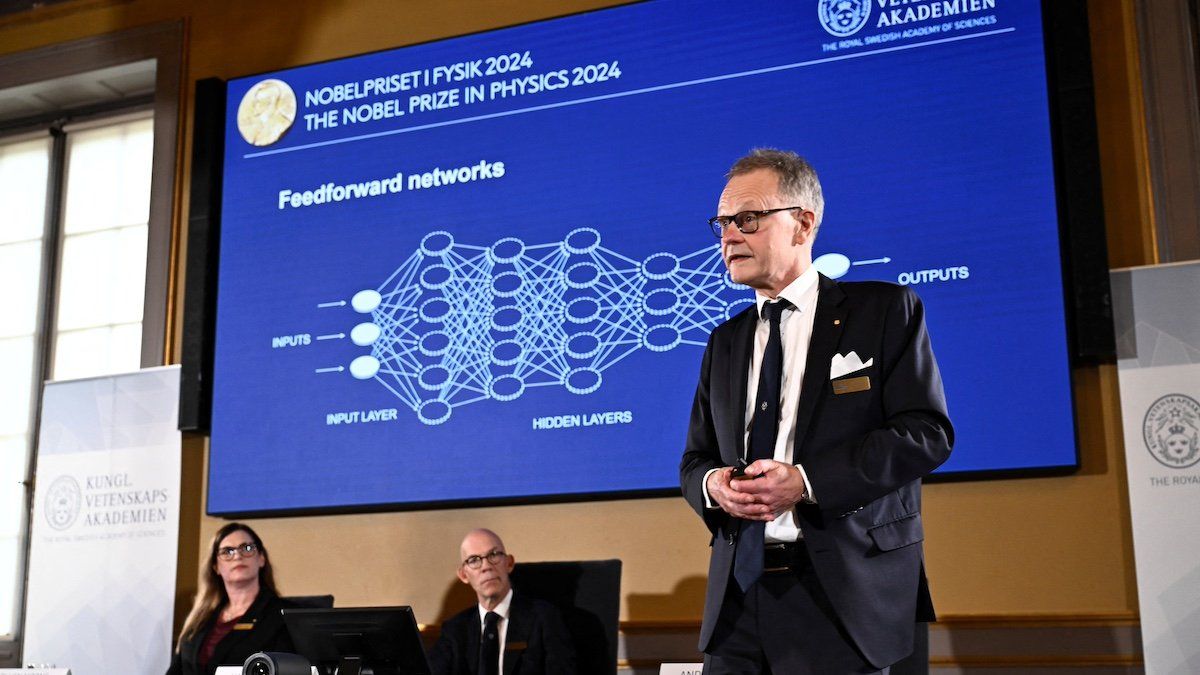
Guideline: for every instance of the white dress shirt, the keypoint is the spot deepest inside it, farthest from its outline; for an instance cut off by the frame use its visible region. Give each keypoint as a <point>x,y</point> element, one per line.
<point>795,328</point>
<point>501,626</point>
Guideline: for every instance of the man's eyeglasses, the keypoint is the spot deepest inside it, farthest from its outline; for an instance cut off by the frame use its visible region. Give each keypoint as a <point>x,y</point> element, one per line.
<point>248,550</point>
<point>746,221</point>
<point>493,557</point>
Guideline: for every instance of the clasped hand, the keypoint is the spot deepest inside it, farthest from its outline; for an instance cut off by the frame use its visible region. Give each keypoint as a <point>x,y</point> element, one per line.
<point>775,489</point>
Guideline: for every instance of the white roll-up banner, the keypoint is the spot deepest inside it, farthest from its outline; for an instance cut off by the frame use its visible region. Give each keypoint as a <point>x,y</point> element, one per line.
<point>105,525</point>
<point>1157,316</point>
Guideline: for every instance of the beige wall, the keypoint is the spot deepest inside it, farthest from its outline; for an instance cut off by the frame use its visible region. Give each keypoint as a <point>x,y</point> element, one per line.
<point>1057,546</point>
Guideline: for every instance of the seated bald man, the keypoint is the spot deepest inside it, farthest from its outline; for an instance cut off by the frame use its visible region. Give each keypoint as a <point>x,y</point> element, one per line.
<point>506,632</point>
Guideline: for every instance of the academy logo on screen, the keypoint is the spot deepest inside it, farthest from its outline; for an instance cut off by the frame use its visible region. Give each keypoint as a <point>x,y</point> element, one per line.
<point>843,18</point>
<point>1171,430</point>
<point>266,112</point>
<point>63,502</point>
<point>856,25</point>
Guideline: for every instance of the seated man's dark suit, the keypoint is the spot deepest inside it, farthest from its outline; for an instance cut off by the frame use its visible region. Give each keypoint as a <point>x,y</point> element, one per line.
<point>536,643</point>
<point>864,453</point>
<point>263,631</point>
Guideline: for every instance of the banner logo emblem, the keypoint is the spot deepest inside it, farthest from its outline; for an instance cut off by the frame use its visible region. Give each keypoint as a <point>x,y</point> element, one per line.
<point>266,112</point>
<point>1171,431</point>
<point>63,500</point>
<point>842,18</point>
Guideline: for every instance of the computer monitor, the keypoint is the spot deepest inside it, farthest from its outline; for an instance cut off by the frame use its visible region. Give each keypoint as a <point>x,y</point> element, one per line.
<point>351,639</point>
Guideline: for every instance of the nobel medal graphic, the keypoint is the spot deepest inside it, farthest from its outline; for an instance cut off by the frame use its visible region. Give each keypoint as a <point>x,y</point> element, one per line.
<point>266,112</point>
<point>1171,431</point>
<point>842,18</point>
<point>63,501</point>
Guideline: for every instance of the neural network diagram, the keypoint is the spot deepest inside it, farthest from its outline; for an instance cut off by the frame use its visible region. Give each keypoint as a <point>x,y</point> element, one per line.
<point>458,323</point>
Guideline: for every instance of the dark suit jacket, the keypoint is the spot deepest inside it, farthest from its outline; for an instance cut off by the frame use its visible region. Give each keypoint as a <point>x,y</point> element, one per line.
<point>268,635</point>
<point>864,454</point>
<point>537,641</point>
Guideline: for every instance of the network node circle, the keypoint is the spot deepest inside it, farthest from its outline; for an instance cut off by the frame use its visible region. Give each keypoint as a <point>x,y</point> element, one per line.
<point>581,240</point>
<point>660,266</point>
<point>583,345</point>
<point>433,378</point>
<point>366,301</point>
<point>507,284</point>
<point>434,343</point>
<point>582,275</point>
<point>364,367</point>
<point>507,387</point>
<point>433,412</point>
<point>662,338</point>
<point>832,265</point>
<point>660,302</point>
<point>735,306</point>
<point>436,277</point>
<point>582,310</point>
<point>507,318</point>
<point>507,352</point>
<point>507,250</point>
<point>437,243</point>
<point>730,283</point>
<point>434,310</point>
<point>583,380</point>
<point>364,334</point>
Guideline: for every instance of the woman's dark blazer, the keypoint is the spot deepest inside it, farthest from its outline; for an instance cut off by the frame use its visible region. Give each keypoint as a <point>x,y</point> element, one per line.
<point>266,634</point>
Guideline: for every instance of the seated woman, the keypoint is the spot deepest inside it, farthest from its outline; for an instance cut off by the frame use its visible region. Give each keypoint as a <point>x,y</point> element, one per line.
<point>236,612</point>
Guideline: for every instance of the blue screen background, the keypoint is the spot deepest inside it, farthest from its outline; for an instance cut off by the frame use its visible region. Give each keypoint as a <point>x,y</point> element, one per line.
<point>933,150</point>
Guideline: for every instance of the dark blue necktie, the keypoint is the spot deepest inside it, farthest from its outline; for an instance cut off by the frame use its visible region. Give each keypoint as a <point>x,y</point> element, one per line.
<point>489,645</point>
<point>764,428</point>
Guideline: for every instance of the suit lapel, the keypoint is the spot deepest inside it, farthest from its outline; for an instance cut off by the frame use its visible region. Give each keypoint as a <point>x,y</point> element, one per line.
<point>221,651</point>
<point>742,346</point>
<point>474,630</point>
<point>518,631</point>
<point>190,650</point>
<point>235,637</point>
<point>828,324</point>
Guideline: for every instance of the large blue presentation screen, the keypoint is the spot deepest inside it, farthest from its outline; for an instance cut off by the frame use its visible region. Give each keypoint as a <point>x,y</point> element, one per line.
<point>479,269</point>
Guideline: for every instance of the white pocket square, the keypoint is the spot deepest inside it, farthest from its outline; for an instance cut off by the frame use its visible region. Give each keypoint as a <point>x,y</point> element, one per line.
<point>844,365</point>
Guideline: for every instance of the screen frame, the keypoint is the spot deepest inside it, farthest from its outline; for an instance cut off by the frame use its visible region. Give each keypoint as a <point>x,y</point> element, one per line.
<point>1075,156</point>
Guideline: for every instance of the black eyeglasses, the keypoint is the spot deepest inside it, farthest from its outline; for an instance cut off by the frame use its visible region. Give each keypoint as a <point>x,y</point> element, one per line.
<point>248,550</point>
<point>493,557</point>
<point>746,221</point>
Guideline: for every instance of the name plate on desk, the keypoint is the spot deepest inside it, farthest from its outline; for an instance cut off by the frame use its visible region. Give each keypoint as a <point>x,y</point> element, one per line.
<point>681,669</point>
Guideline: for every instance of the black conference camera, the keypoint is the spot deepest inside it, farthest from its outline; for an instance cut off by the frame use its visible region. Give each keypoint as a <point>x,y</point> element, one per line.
<point>276,663</point>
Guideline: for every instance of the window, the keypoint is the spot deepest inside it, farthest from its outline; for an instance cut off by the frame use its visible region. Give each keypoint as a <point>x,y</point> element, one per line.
<point>24,167</point>
<point>102,282</point>
<point>73,286</point>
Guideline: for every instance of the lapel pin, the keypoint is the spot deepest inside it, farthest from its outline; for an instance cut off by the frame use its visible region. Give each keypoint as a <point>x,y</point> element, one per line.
<point>837,322</point>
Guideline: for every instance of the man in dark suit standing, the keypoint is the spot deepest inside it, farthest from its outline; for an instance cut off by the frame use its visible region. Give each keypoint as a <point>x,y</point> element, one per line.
<point>817,413</point>
<point>506,632</point>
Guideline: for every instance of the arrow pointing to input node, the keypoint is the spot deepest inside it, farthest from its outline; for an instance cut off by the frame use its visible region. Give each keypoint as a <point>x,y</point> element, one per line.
<point>339,303</point>
<point>330,370</point>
